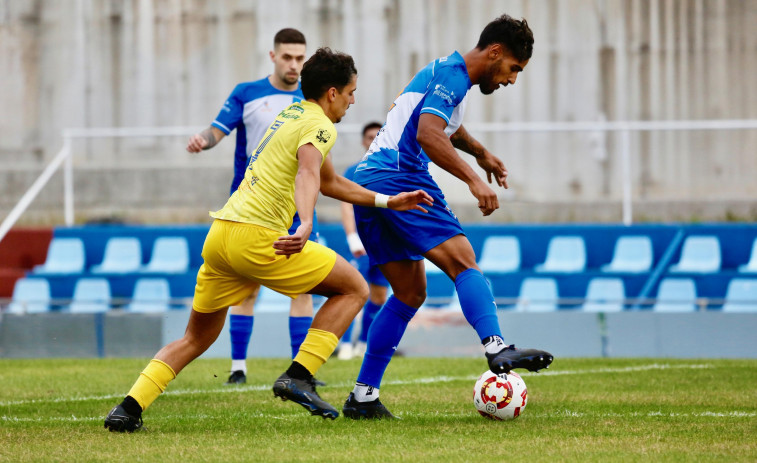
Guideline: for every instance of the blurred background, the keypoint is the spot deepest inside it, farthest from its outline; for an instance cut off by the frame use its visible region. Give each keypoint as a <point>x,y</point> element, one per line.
<point>630,141</point>
<point>143,63</point>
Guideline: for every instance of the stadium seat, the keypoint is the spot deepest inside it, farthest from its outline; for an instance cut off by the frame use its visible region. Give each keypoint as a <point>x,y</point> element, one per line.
<point>564,254</point>
<point>751,266</point>
<point>632,254</point>
<point>537,295</point>
<point>30,295</point>
<point>500,254</point>
<point>605,295</point>
<point>122,255</point>
<point>90,295</point>
<point>170,254</point>
<point>676,295</point>
<point>741,295</point>
<point>65,255</point>
<point>271,301</point>
<point>700,254</point>
<point>150,295</point>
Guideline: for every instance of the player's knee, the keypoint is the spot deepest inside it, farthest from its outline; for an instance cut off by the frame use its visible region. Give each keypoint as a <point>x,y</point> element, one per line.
<point>414,298</point>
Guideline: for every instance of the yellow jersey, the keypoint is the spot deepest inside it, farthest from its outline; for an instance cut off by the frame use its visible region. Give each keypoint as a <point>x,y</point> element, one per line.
<point>266,195</point>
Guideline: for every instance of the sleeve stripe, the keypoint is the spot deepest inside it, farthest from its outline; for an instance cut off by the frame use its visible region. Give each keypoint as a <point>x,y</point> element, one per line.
<point>435,111</point>
<point>222,127</point>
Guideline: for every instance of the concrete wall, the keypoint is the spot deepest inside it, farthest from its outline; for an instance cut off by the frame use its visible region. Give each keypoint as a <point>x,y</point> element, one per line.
<point>100,63</point>
<point>432,333</point>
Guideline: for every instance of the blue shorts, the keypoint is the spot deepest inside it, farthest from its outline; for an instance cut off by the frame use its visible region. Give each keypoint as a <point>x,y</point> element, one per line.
<point>296,223</point>
<point>371,273</point>
<point>390,236</point>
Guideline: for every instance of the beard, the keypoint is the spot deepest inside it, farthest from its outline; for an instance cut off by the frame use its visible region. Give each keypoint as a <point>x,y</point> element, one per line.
<point>289,80</point>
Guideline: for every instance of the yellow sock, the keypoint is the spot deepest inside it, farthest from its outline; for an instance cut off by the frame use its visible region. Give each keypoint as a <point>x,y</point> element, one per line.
<point>316,349</point>
<point>152,382</point>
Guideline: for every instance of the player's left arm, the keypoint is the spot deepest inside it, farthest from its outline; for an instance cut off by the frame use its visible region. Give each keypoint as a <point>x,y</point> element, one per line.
<point>491,164</point>
<point>338,187</point>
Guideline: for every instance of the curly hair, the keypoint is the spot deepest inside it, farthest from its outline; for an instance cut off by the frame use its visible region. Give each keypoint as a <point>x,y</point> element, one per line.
<point>513,34</point>
<point>326,69</point>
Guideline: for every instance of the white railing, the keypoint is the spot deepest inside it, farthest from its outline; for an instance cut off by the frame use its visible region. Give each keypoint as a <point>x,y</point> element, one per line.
<point>623,128</point>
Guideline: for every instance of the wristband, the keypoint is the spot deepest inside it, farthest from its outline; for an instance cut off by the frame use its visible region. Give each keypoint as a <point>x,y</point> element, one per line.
<point>382,200</point>
<point>354,243</point>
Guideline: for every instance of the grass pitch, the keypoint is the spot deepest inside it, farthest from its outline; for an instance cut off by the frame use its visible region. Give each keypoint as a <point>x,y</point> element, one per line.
<point>578,410</point>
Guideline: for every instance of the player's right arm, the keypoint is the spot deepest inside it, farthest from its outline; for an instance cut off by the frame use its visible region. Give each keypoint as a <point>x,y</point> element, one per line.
<point>439,149</point>
<point>205,140</point>
<point>337,187</point>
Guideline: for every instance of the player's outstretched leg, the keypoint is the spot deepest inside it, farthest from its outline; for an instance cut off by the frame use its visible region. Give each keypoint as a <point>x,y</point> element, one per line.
<point>510,358</point>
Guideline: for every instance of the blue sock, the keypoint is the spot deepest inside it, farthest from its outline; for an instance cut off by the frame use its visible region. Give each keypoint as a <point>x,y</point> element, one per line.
<point>477,301</point>
<point>240,330</point>
<point>347,337</point>
<point>298,329</point>
<point>369,313</point>
<point>384,337</point>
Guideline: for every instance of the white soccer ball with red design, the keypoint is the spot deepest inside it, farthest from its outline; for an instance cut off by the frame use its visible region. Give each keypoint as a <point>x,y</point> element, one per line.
<point>500,397</point>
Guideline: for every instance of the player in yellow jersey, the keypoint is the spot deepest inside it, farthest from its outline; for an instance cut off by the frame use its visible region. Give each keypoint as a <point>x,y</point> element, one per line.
<point>248,244</point>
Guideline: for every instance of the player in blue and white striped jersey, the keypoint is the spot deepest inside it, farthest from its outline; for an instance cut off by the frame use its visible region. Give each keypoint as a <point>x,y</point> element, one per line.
<point>425,125</point>
<point>250,110</point>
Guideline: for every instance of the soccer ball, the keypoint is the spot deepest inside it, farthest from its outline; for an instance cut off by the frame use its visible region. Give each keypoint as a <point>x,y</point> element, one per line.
<point>500,397</point>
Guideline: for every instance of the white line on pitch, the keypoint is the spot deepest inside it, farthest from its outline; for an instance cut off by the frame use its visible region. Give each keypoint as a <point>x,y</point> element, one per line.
<point>435,379</point>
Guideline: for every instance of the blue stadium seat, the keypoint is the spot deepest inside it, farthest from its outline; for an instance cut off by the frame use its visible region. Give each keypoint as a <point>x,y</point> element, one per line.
<point>537,295</point>
<point>741,295</point>
<point>272,301</point>
<point>632,254</point>
<point>605,295</point>
<point>65,255</point>
<point>500,254</point>
<point>564,254</point>
<point>170,254</point>
<point>676,295</point>
<point>91,295</point>
<point>700,254</point>
<point>30,295</point>
<point>122,255</point>
<point>150,295</point>
<point>751,266</point>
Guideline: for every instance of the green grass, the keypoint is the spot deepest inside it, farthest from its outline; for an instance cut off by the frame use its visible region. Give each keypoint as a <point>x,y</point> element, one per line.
<point>580,410</point>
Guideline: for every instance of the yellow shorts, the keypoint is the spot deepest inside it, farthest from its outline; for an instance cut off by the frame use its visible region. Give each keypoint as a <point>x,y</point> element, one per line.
<point>239,256</point>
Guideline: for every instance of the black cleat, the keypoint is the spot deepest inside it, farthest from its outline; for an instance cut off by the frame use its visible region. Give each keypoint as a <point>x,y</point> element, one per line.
<point>302,391</point>
<point>510,358</point>
<point>236,377</point>
<point>373,410</point>
<point>119,420</point>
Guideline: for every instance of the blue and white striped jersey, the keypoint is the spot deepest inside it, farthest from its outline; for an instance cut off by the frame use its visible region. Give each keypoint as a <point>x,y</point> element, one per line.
<point>440,89</point>
<point>250,109</point>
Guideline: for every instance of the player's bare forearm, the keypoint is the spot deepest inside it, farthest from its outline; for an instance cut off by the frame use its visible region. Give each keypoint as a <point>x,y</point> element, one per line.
<point>464,141</point>
<point>348,218</point>
<point>491,164</point>
<point>205,140</point>
<point>439,148</point>
<point>306,186</point>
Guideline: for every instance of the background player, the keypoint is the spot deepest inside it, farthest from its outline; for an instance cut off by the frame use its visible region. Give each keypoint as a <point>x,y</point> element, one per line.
<point>377,284</point>
<point>249,110</point>
<point>425,125</point>
<point>245,245</point>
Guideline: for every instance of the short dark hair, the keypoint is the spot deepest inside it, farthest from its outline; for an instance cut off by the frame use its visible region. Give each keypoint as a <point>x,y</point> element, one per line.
<point>371,125</point>
<point>326,69</point>
<point>289,35</point>
<point>513,34</point>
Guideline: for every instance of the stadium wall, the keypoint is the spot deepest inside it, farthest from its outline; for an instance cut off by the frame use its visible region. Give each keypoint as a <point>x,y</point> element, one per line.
<point>166,63</point>
<point>432,333</point>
